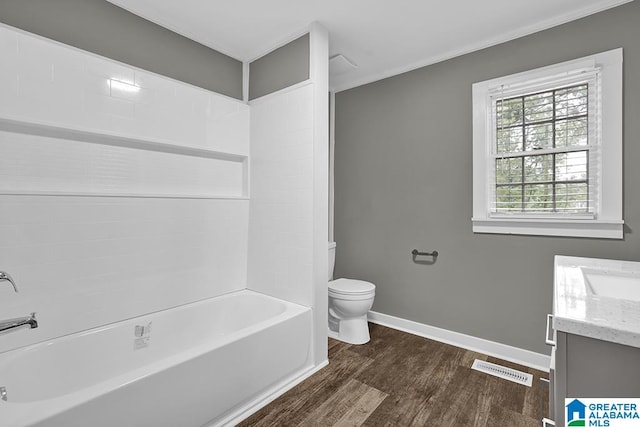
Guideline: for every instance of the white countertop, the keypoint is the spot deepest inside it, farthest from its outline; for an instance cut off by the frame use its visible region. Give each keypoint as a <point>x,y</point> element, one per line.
<point>577,310</point>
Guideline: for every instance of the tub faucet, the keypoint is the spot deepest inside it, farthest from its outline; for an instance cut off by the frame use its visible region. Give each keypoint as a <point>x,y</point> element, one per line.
<point>4,276</point>
<point>11,325</point>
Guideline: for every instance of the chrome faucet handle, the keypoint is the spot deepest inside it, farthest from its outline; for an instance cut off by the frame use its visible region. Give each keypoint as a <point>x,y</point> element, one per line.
<point>32,321</point>
<point>6,276</point>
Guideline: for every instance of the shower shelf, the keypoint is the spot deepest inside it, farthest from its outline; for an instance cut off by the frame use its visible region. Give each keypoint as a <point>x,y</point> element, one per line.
<point>110,138</point>
<point>122,195</point>
<point>107,138</point>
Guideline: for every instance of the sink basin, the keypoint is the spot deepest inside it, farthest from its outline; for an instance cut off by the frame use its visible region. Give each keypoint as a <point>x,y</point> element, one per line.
<point>597,298</point>
<point>613,283</point>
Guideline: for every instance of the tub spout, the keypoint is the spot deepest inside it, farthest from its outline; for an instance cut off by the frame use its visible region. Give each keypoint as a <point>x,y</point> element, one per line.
<point>11,325</point>
<point>4,276</point>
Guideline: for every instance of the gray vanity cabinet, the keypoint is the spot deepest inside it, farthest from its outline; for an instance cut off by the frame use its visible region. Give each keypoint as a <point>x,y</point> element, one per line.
<point>588,367</point>
<point>595,328</point>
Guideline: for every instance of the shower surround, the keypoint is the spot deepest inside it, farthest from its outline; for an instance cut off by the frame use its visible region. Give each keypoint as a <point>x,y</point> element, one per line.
<point>126,193</point>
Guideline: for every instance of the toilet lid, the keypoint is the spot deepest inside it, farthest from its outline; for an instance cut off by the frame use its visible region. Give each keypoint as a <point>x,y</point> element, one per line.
<point>351,286</point>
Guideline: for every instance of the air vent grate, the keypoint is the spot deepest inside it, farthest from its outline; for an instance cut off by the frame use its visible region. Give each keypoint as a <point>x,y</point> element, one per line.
<point>503,372</point>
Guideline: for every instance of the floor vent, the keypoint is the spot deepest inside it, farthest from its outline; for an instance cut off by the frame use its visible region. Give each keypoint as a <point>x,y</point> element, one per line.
<point>503,372</point>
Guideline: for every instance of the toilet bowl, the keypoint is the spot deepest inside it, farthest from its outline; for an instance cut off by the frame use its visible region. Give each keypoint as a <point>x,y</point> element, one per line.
<point>349,302</point>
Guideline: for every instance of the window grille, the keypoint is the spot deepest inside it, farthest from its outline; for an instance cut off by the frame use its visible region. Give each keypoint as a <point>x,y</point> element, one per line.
<point>542,152</point>
<point>547,150</point>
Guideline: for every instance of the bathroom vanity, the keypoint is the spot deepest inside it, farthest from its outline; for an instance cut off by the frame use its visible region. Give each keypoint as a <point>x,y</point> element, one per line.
<point>594,331</point>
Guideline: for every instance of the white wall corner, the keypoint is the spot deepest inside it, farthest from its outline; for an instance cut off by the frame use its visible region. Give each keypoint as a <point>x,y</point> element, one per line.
<point>332,150</point>
<point>319,76</point>
<point>245,81</point>
<point>319,55</point>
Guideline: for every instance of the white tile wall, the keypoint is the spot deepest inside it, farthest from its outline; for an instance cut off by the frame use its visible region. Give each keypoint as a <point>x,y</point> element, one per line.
<point>34,164</point>
<point>281,211</point>
<point>48,82</point>
<point>82,262</point>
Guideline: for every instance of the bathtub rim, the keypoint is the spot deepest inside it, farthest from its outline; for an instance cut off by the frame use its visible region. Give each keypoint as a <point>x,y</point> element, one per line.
<point>37,411</point>
<point>247,291</point>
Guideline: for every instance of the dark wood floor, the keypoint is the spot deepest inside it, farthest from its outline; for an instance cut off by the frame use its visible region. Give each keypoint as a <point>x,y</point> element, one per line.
<point>399,379</point>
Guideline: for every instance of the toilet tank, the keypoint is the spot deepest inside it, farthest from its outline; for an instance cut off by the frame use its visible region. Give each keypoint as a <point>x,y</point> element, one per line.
<point>332,258</point>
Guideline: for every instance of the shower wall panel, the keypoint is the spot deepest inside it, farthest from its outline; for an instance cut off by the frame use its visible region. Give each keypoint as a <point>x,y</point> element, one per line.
<point>122,192</point>
<point>281,219</point>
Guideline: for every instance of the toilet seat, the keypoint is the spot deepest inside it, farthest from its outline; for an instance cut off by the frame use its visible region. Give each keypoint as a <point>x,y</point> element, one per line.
<point>351,289</point>
<point>349,303</point>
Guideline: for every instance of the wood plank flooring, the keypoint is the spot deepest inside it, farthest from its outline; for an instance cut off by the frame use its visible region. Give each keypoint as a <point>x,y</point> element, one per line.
<point>399,379</point>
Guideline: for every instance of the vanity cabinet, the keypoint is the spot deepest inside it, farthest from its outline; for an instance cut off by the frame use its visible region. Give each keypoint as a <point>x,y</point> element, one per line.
<point>588,367</point>
<point>594,331</point>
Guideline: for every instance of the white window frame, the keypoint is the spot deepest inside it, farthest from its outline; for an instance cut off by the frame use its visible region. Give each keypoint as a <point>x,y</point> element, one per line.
<point>606,222</point>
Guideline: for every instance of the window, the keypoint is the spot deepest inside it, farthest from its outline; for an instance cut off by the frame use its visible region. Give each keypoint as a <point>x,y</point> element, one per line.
<point>547,150</point>
<point>542,152</point>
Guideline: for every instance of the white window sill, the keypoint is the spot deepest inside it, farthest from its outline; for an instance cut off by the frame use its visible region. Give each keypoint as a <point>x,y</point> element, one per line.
<point>601,229</point>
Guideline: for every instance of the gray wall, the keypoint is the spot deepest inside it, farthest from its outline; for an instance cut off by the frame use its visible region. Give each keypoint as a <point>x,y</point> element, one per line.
<point>105,29</point>
<point>280,68</point>
<point>403,180</point>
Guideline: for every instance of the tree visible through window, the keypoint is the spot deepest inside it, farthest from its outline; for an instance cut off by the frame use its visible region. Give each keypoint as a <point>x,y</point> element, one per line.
<point>542,152</point>
<point>547,150</point>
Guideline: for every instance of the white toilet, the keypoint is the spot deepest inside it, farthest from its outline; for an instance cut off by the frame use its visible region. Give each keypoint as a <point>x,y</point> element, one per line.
<point>349,302</point>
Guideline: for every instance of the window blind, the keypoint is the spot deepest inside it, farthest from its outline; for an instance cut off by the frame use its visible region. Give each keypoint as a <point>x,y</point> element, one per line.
<point>545,143</point>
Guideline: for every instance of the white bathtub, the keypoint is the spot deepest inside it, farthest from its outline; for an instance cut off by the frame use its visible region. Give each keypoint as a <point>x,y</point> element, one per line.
<point>199,364</point>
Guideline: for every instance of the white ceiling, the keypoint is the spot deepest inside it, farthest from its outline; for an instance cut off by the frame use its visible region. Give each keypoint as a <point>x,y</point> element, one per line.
<point>382,37</point>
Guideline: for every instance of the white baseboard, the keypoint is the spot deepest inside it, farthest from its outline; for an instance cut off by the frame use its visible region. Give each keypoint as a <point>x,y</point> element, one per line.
<point>480,345</point>
<point>265,398</point>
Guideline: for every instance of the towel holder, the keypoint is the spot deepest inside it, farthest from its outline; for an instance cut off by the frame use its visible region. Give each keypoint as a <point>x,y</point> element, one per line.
<point>416,252</point>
